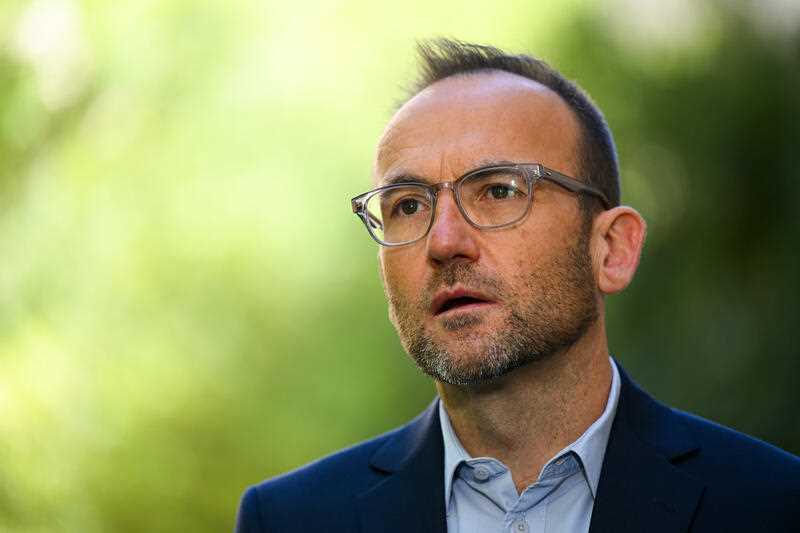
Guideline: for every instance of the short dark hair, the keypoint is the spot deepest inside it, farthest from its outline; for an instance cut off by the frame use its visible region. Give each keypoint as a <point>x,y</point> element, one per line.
<point>443,58</point>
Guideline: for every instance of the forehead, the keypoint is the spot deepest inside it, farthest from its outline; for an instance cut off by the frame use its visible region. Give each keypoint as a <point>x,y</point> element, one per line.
<point>465,121</point>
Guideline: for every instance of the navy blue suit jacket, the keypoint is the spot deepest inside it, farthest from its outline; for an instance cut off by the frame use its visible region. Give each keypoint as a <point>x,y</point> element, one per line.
<point>663,471</point>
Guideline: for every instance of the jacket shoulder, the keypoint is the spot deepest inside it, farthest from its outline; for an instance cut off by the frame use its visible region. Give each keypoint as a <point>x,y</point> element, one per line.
<point>714,453</point>
<point>319,494</point>
<point>741,467</point>
<point>342,470</point>
<point>710,477</point>
<point>741,453</point>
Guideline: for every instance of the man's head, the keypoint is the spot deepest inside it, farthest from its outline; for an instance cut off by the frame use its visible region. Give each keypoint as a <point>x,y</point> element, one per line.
<point>471,305</point>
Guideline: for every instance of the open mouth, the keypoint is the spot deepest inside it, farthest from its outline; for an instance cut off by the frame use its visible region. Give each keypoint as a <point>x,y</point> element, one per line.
<point>456,303</point>
<point>457,300</point>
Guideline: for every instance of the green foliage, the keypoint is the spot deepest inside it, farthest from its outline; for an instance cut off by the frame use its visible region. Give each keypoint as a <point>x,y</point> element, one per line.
<point>187,306</point>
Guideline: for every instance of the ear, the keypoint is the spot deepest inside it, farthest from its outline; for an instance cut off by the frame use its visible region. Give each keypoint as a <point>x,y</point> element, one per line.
<point>617,239</point>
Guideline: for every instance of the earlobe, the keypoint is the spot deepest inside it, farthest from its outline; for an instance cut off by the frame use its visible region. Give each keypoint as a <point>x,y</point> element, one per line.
<point>619,238</point>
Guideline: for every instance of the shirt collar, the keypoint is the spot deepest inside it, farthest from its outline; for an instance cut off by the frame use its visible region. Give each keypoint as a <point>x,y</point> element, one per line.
<point>590,447</point>
<point>454,452</point>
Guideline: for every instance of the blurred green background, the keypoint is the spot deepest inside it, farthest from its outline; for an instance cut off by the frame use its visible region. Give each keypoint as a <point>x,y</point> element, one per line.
<point>187,306</point>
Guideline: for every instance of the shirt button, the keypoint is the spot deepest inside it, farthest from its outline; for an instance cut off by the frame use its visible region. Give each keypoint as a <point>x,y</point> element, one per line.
<point>482,473</point>
<point>519,526</point>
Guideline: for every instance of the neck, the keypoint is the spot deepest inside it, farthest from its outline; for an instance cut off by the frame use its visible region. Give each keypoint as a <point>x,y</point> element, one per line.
<point>524,418</point>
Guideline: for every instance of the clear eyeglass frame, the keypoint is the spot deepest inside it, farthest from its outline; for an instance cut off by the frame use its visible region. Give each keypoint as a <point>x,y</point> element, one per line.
<point>532,173</point>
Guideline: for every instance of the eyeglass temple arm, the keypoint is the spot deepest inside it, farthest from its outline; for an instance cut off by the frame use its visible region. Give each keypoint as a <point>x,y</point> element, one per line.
<point>574,185</point>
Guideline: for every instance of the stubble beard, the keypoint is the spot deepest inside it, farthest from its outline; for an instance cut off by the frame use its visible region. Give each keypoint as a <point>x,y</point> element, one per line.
<point>560,308</point>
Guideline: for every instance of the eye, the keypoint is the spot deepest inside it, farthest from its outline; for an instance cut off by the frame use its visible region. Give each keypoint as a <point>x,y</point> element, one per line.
<point>408,206</point>
<point>502,191</point>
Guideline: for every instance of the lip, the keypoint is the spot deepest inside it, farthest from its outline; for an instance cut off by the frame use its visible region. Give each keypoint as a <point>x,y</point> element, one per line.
<point>445,295</point>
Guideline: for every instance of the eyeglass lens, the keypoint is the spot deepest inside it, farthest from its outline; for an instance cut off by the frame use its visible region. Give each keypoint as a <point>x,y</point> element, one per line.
<point>491,198</point>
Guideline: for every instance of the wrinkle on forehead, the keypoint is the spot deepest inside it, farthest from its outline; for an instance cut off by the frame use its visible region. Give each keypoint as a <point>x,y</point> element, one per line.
<point>442,127</point>
<point>404,149</point>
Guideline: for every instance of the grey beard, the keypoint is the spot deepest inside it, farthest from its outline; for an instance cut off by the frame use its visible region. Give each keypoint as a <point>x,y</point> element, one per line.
<point>501,355</point>
<point>562,309</point>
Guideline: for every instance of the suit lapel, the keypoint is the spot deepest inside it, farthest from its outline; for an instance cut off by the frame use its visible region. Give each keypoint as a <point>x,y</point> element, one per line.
<point>411,497</point>
<point>640,487</point>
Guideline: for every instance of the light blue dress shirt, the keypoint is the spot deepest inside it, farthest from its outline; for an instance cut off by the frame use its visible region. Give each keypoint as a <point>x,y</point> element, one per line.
<point>480,495</point>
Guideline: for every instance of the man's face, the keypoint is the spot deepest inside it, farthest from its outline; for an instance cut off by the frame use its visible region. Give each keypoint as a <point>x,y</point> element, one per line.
<point>471,305</point>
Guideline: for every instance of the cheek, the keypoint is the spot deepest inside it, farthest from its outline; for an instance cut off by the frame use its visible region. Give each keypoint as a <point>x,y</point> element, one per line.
<point>401,271</point>
<point>521,250</point>
<point>522,253</point>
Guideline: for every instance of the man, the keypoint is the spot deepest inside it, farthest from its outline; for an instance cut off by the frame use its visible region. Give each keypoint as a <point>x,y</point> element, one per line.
<point>497,208</point>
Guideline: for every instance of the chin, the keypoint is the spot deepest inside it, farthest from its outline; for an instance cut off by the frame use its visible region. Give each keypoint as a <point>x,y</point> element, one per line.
<point>476,371</point>
<point>472,322</point>
<point>460,322</point>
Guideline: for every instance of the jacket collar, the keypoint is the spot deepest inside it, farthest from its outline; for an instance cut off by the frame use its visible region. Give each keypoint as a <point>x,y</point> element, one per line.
<point>640,487</point>
<point>410,498</point>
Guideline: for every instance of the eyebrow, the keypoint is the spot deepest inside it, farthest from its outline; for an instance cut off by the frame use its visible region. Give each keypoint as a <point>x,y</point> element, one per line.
<point>407,177</point>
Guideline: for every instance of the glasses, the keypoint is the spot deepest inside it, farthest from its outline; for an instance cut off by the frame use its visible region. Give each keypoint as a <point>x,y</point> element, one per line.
<point>488,197</point>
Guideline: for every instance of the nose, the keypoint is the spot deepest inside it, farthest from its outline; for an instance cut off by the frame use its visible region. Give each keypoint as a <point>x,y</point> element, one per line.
<point>451,238</point>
